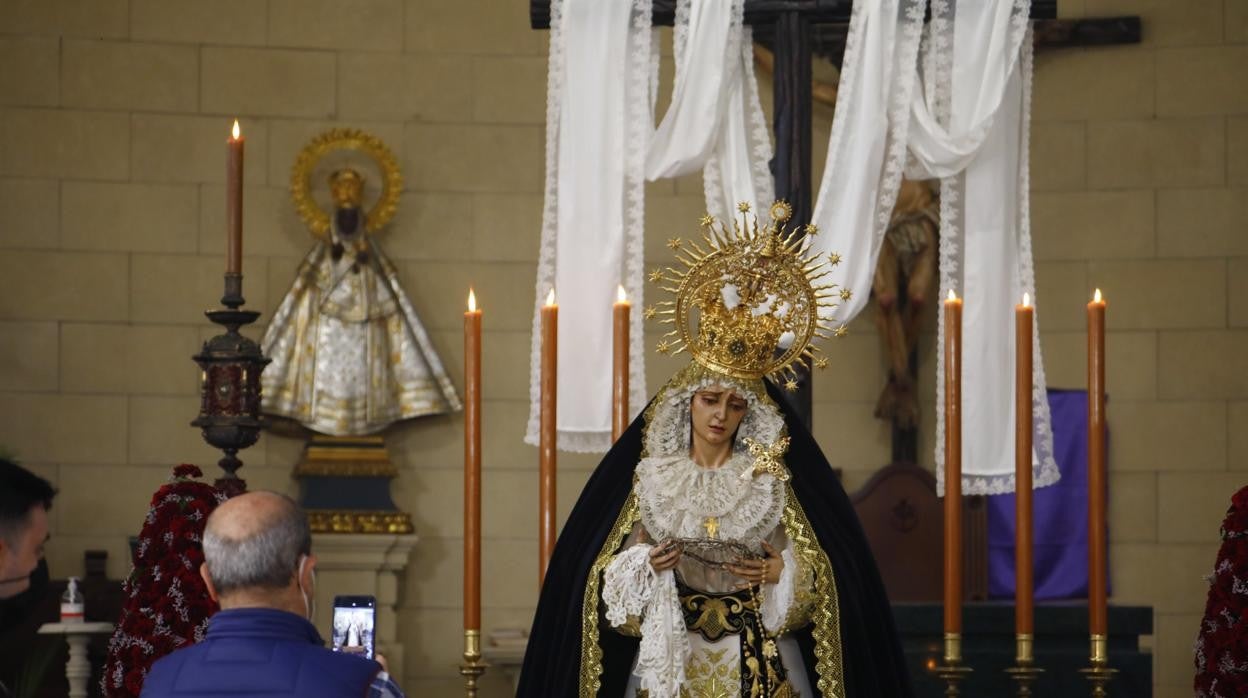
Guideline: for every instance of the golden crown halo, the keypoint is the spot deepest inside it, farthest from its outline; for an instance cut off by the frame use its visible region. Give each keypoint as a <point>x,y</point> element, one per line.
<point>749,301</point>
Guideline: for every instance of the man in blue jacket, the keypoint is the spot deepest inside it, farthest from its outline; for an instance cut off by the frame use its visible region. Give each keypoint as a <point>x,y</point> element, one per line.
<point>258,564</point>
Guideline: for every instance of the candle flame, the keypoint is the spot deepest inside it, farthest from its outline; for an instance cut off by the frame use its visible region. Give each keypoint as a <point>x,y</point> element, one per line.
<point>1026,299</point>
<point>472,300</point>
<point>235,130</point>
<point>550,298</point>
<point>952,296</point>
<point>1096,297</point>
<point>620,295</point>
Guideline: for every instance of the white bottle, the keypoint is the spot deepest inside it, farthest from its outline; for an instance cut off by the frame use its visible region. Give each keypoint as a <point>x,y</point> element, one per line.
<point>71,603</point>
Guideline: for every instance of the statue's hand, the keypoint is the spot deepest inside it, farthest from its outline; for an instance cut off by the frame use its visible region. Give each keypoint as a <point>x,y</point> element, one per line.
<point>765,571</point>
<point>664,556</point>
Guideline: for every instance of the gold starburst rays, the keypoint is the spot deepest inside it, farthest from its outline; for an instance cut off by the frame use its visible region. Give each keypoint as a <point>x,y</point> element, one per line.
<point>749,299</point>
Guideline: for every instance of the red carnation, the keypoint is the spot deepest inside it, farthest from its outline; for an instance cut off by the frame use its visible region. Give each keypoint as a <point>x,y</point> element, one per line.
<point>151,623</point>
<point>1222,644</point>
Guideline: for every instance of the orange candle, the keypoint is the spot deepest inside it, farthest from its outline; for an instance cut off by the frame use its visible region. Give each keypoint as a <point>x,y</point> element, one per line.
<point>619,383</point>
<point>234,203</point>
<point>1023,573</point>
<point>472,465</point>
<point>953,466</point>
<point>547,438</point>
<point>1097,549</point>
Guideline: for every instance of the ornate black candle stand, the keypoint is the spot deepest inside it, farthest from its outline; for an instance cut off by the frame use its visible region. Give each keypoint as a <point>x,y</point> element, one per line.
<point>230,366</point>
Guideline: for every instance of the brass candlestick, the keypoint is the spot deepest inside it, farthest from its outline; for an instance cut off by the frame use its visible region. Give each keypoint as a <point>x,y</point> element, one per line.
<point>473,667</point>
<point>1098,670</point>
<point>951,671</point>
<point>1024,671</point>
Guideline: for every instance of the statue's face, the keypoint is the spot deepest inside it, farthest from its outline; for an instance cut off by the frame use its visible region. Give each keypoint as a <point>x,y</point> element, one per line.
<point>347,190</point>
<point>716,412</point>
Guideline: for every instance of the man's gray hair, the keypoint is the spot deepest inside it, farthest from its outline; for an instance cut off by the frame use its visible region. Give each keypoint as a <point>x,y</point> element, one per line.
<point>266,559</point>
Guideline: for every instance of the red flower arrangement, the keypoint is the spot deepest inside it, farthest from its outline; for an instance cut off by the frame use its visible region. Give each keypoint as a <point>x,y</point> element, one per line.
<point>1222,644</point>
<point>166,604</point>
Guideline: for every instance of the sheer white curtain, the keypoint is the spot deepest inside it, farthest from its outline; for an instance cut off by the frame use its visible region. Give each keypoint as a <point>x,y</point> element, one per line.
<point>601,144</point>
<point>958,111</point>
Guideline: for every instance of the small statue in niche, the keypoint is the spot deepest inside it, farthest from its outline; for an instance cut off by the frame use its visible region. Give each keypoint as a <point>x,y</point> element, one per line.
<point>349,355</point>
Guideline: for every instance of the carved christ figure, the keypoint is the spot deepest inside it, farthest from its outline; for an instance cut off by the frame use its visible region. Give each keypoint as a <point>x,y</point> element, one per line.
<point>349,355</point>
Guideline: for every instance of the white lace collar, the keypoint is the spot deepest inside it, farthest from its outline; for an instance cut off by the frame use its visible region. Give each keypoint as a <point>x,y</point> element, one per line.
<point>677,496</point>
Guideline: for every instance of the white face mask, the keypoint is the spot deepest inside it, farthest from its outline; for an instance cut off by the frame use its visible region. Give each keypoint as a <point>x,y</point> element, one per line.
<point>309,596</point>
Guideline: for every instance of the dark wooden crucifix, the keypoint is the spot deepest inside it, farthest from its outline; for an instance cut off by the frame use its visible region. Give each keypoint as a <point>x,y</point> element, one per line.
<point>798,30</point>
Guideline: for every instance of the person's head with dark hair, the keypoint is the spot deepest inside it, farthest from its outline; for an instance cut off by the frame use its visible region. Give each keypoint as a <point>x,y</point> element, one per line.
<point>25,499</point>
<point>258,553</point>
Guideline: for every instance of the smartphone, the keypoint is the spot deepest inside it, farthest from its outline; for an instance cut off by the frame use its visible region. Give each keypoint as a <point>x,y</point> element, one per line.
<point>355,617</point>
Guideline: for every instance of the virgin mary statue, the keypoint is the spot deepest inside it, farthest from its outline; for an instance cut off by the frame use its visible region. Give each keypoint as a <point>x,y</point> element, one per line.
<point>713,552</point>
<point>349,355</point>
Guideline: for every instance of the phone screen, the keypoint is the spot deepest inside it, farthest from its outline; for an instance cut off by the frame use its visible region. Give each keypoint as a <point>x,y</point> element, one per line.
<point>355,617</point>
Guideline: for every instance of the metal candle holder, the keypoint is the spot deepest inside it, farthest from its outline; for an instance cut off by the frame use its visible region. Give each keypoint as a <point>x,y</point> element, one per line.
<point>952,672</point>
<point>230,366</point>
<point>473,667</point>
<point>1024,671</point>
<point>1098,670</point>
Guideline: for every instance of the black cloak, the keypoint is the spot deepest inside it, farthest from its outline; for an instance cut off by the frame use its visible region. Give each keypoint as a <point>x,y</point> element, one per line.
<point>873,663</point>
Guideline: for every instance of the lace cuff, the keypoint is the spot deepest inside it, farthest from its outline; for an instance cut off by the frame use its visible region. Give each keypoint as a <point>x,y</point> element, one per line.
<point>628,584</point>
<point>631,587</point>
<point>778,597</point>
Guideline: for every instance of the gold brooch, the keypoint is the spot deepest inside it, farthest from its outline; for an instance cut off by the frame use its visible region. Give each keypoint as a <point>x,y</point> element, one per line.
<point>767,459</point>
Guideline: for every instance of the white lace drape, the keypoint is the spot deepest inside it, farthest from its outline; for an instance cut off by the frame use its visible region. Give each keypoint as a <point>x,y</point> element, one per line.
<point>601,145</point>
<point>957,109</point>
<point>631,587</point>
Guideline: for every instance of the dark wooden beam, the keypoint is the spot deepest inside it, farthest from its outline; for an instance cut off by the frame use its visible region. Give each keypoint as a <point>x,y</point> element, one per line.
<point>1100,31</point>
<point>790,167</point>
<point>767,11</point>
<point>828,40</point>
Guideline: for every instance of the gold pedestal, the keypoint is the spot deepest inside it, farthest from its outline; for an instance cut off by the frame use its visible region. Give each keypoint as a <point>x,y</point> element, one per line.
<point>1098,670</point>
<point>1024,672</point>
<point>473,667</point>
<point>346,456</point>
<point>951,670</point>
<point>352,457</point>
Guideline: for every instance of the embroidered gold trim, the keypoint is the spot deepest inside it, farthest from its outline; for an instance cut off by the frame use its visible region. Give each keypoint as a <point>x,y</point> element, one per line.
<point>358,521</point>
<point>829,658</point>
<point>591,652</point>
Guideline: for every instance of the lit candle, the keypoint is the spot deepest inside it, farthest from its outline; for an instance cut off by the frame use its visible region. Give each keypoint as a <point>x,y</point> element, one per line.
<point>1024,585</point>
<point>953,478</point>
<point>547,438</point>
<point>234,203</point>
<point>1097,610</point>
<point>472,465</point>
<point>619,384</point>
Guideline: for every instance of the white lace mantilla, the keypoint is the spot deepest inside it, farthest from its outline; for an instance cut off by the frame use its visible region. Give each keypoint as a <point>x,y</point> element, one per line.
<point>668,433</point>
<point>676,496</point>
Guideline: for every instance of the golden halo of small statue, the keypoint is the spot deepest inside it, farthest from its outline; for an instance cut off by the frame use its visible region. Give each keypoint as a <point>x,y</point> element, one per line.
<point>318,219</point>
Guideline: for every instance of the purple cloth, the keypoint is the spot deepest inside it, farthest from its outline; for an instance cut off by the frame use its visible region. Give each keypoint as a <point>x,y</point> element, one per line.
<point>1060,531</point>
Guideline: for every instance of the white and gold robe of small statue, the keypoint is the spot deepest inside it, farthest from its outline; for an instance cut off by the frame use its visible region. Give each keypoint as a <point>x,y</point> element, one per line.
<point>679,499</point>
<point>349,355</point>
